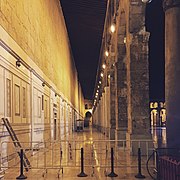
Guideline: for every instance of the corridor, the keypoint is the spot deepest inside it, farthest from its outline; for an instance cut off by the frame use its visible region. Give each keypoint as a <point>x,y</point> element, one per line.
<point>61,158</point>
<point>43,94</point>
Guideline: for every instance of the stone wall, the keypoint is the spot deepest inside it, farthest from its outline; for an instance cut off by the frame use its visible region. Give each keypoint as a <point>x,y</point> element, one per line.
<point>38,27</point>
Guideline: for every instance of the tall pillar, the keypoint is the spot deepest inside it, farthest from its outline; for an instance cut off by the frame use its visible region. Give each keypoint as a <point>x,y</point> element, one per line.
<point>112,104</point>
<point>121,94</point>
<point>172,70</point>
<point>121,84</point>
<point>138,87</point>
<point>137,76</point>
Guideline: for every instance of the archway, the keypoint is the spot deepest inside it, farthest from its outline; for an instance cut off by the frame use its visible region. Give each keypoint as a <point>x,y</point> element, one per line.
<point>87,119</point>
<point>88,114</point>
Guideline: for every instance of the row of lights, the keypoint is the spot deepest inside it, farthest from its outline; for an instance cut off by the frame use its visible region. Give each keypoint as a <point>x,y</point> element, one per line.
<point>112,30</point>
<point>18,65</point>
<point>100,82</point>
<point>113,27</point>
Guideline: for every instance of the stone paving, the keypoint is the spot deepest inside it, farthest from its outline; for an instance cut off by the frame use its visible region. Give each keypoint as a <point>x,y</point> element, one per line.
<point>96,160</point>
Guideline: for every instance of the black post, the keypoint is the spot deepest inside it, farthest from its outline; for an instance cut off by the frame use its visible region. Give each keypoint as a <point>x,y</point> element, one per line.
<point>112,174</point>
<point>82,174</point>
<point>21,176</point>
<point>157,165</point>
<point>139,175</point>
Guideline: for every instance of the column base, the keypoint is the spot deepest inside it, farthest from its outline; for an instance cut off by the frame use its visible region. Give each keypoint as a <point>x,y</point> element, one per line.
<point>120,136</point>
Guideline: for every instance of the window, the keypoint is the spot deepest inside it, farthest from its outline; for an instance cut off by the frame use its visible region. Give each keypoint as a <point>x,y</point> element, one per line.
<point>17,99</point>
<point>39,106</point>
<point>45,109</point>
<point>8,96</point>
<point>24,102</point>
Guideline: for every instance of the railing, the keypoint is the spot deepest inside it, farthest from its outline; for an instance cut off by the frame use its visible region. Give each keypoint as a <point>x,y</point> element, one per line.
<point>67,153</point>
<point>167,164</point>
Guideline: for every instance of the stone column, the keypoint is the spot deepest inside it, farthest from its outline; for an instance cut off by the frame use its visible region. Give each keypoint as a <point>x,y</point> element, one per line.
<point>172,70</point>
<point>138,88</point>
<point>112,104</point>
<point>137,77</point>
<point>121,93</point>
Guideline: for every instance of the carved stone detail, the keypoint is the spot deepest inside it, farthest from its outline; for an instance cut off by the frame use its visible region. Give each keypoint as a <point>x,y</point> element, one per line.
<point>170,4</point>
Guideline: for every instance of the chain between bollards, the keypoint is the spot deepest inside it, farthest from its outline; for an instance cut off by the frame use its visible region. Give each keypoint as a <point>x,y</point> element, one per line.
<point>112,174</point>
<point>82,174</point>
<point>139,175</point>
<point>21,176</point>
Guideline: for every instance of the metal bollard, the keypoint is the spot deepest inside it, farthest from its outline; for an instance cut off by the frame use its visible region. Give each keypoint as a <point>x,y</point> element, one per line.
<point>112,174</point>
<point>139,175</point>
<point>82,174</point>
<point>21,176</point>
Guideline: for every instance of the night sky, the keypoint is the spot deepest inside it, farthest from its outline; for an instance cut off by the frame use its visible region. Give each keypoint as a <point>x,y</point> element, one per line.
<point>155,25</point>
<point>85,21</point>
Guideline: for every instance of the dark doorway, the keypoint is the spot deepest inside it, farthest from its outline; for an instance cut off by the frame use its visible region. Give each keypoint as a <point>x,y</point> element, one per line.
<point>88,115</point>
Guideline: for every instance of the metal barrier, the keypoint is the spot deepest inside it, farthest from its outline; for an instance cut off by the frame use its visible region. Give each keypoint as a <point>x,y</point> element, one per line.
<point>167,164</point>
<point>169,168</point>
<point>67,153</point>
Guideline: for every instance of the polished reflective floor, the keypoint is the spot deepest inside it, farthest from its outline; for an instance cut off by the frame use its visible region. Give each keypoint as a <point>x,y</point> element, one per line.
<point>159,136</point>
<point>62,159</point>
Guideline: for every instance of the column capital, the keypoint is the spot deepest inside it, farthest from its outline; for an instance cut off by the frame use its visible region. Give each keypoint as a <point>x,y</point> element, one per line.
<point>167,4</point>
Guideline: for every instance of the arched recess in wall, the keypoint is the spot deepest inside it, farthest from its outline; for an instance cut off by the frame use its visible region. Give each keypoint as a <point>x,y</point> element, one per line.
<point>88,114</point>
<point>87,119</point>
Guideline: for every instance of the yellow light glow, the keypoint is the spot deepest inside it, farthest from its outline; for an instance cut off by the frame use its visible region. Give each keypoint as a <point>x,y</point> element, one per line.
<point>113,28</point>
<point>106,53</point>
<point>97,90</point>
<point>146,1</point>
<point>98,86</point>
<point>124,40</point>
<point>102,75</point>
<point>103,66</point>
<point>99,82</point>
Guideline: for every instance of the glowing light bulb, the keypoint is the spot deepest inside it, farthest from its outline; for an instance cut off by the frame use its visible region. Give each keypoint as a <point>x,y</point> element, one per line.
<point>146,1</point>
<point>113,28</point>
<point>103,66</point>
<point>106,53</point>
<point>102,75</point>
<point>124,40</point>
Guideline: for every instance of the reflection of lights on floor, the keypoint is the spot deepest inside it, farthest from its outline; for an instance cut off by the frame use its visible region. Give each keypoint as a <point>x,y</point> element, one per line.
<point>96,159</point>
<point>164,138</point>
<point>159,135</point>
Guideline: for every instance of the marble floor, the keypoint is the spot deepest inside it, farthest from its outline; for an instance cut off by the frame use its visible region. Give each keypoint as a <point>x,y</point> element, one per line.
<point>62,159</point>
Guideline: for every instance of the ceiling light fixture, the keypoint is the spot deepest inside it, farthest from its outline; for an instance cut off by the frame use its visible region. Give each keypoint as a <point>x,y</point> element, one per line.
<point>18,63</point>
<point>43,84</point>
<point>146,1</point>
<point>104,66</point>
<point>106,53</point>
<point>113,27</point>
